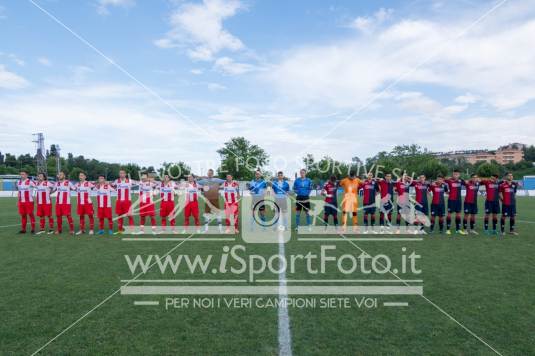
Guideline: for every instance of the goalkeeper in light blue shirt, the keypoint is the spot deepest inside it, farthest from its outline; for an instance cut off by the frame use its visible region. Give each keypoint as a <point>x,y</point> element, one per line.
<point>258,187</point>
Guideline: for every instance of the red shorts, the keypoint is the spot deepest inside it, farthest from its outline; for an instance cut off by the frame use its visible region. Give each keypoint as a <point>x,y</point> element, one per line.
<point>44,209</point>
<point>104,213</point>
<point>123,207</point>
<point>85,209</point>
<point>146,209</point>
<point>166,208</point>
<point>25,208</point>
<point>63,209</point>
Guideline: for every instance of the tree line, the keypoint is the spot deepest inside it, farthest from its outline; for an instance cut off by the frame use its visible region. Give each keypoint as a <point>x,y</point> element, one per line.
<point>241,158</point>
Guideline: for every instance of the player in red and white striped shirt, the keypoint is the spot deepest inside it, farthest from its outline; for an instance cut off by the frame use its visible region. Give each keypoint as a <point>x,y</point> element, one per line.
<point>123,204</point>
<point>85,205</point>
<point>167,202</point>
<point>44,203</point>
<point>146,203</point>
<point>191,207</point>
<point>104,190</point>
<point>231,193</point>
<point>63,202</point>
<point>25,202</point>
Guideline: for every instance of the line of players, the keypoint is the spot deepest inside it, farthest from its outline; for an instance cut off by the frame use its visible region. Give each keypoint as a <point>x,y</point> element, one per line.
<point>124,207</point>
<point>496,191</point>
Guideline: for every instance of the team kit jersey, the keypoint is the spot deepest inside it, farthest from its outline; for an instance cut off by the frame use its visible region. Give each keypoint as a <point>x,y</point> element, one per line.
<point>386,188</point>
<point>146,202</point>
<point>437,202</point>
<point>104,201</point>
<point>330,191</point>
<point>470,199</point>
<point>25,196</point>
<point>281,188</point>
<point>123,203</point>
<point>492,202</point>
<point>369,190</point>
<point>302,188</point>
<point>402,188</point>
<point>63,197</point>
<point>231,192</point>
<point>167,196</point>
<point>351,188</point>
<point>44,202</point>
<point>454,198</point>
<point>85,205</point>
<point>420,190</point>
<point>508,192</point>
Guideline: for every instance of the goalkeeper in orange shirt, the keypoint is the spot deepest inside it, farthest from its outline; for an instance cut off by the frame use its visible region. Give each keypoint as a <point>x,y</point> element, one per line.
<point>350,202</point>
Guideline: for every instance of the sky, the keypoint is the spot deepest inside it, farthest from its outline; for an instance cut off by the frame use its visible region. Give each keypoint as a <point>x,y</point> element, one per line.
<point>168,80</point>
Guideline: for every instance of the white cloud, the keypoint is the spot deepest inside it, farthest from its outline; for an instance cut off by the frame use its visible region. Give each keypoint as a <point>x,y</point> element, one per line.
<point>216,87</point>
<point>199,28</point>
<point>368,24</point>
<point>227,65</point>
<point>44,61</point>
<point>10,80</point>
<point>104,5</point>
<point>493,61</point>
<point>196,71</point>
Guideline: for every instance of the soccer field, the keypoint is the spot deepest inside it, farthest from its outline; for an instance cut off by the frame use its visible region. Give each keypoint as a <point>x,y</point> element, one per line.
<point>478,295</point>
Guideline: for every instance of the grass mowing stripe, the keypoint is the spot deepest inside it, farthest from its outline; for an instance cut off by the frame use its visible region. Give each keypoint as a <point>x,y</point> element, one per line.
<point>102,302</point>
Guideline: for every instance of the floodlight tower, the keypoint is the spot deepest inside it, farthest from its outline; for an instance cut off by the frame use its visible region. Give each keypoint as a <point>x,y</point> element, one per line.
<point>40,160</point>
<point>58,159</point>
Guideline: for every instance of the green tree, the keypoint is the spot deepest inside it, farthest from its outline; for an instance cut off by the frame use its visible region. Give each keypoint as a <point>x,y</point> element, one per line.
<point>74,172</point>
<point>487,169</point>
<point>241,158</point>
<point>179,170</point>
<point>529,153</point>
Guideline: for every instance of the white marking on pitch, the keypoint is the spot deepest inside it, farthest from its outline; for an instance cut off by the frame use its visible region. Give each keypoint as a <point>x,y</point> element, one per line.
<point>396,304</point>
<point>285,338</point>
<point>146,302</point>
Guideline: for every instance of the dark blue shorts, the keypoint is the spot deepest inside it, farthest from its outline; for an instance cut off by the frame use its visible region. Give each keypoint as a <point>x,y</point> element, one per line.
<point>454,206</point>
<point>386,207</point>
<point>470,208</point>
<point>422,208</point>
<point>437,209</point>
<point>370,210</point>
<point>508,210</point>
<point>330,210</point>
<point>492,207</point>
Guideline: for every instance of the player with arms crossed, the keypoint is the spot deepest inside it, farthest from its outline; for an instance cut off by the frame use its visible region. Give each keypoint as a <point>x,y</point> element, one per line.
<point>167,202</point>
<point>85,205</point>
<point>438,206</point>
<point>508,190</point>
<point>470,204</point>
<point>44,203</point>
<point>330,189</point>
<point>386,188</point>
<point>146,203</point>
<point>210,186</point>
<point>370,188</point>
<point>455,184</point>
<point>123,204</point>
<point>25,202</point>
<point>104,190</point>
<point>302,187</point>
<point>191,207</point>
<point>492,203</point>
<point>421,187</point>
<point>350,201</point>
<point>63,202</point>
<point>281,189</point>
<point>231,193</point>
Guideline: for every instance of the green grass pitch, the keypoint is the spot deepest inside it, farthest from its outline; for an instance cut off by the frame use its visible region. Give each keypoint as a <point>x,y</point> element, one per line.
<point>486,283</point>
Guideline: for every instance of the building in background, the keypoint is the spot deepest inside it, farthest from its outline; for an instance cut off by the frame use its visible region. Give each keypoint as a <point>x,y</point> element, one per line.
<point>511,153</point>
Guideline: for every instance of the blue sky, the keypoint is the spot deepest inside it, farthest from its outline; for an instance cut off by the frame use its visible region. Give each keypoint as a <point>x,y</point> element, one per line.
<point>344,79</point>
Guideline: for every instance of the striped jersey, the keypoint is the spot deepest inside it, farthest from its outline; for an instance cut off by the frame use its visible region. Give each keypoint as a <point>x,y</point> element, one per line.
<point>146,192</point>
<point>491,189</point>
<point>454,187</point>
<point>25,190</point>
<point>508,190</point>
<point>44,189</point>
<point>167,191</point>
<point>231,191</point>
<point>104,195</point>
<point>192,192</point>
<point>402,188</point>
<point>84,189</point>
<point>64,192</point>
<point>471,192</point>
<point>124,188</point>
<point>369,188</point>
<point>438,191</point>
<point>420,189</point>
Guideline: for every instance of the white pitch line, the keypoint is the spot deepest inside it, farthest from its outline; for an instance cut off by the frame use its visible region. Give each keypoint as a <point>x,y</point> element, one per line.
<point>285,338</point>
<point>183,280</point>
<point>146,302</point>
<point>161,239</point>
<point>9,225</point>
<point>360,239</point>
<point>526,222</point>
<point>396,304</point>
